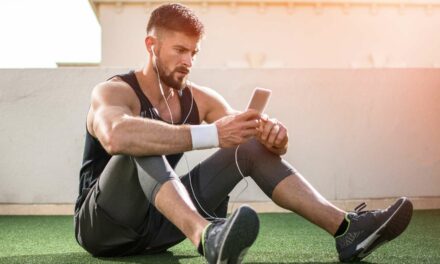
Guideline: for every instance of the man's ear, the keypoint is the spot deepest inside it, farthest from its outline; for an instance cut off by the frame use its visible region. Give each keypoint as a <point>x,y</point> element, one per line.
<point>149,43</point>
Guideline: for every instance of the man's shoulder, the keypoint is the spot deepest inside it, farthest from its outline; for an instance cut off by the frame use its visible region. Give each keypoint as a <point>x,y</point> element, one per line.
<point>113,87</point>
<point>114,90</point>
<point>203,91</point>
<point>211,104</point>
<point>115,84</point>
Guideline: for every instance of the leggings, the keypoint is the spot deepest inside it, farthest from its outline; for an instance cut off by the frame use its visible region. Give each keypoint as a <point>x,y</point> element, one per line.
<point>118,216</point>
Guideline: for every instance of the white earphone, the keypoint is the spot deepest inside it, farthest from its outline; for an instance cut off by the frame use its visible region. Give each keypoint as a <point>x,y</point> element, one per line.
<point>158,76</point>
<point>214,216</point>
<point>154,55</point>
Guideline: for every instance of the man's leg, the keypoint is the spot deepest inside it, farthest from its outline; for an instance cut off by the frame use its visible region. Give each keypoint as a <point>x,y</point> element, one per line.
<point>129,184</point>
<point>113,219</point>
<point>357,234</point>
<point>115,216</point>
<point>214,179</point>
<point>174,203</point>
<point>296,194</point>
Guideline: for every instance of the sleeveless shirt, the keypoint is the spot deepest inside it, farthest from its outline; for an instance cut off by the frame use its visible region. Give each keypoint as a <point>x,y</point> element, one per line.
<point>95,158</point>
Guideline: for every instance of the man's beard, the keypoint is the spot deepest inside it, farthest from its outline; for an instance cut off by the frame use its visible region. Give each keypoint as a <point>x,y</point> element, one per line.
<point>176,83</point>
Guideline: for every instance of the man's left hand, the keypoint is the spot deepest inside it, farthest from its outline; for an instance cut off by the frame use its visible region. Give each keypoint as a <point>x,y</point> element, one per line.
<point>273,135</point>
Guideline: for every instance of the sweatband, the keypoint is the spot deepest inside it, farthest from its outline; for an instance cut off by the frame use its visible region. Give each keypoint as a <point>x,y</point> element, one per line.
<point>204,136</point>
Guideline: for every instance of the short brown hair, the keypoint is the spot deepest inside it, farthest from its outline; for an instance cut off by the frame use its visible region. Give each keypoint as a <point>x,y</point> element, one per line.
<point>176,17</point>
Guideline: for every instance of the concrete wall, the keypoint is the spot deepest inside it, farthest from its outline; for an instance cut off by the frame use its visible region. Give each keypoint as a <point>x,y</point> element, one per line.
<point>345,35</point>
<point>354,133</point>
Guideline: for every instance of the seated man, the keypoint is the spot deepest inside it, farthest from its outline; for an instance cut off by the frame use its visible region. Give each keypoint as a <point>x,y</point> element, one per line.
<point>131,200</point>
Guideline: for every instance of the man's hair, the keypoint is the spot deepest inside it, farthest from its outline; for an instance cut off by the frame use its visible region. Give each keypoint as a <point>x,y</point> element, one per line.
<point>176,17</point>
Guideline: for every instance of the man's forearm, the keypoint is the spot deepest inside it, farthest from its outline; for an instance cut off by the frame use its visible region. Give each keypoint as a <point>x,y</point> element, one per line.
<point>138,136</point>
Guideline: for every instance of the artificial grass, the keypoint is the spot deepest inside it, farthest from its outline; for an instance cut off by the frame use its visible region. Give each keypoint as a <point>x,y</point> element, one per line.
<point>283,238</point>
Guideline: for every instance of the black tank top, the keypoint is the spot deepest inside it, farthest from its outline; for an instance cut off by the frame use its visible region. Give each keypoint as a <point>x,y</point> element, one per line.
<point>95,158</point>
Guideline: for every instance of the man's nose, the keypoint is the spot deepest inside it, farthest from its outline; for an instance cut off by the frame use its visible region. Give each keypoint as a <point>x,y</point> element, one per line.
<point>187,60</point>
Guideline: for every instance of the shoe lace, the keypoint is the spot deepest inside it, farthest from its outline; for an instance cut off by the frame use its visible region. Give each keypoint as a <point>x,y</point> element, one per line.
<point>359,210</point>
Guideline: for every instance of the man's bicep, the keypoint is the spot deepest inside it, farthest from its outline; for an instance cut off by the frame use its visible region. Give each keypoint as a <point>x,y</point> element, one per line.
<point>106,118</point>
<point>109,107</point>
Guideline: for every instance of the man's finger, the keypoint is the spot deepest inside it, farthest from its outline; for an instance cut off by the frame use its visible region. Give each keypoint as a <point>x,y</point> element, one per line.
<point>266,130</point>
<point>251,124</point>
<point>264,117</point>
<point>249,133</point>
<point>261,125</point>
<point>268,127</point>
<point>281,135</point>
<point>273,134</point>
<point>248,115</point>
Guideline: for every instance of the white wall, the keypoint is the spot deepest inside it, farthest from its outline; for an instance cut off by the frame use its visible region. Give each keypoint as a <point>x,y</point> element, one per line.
<point>354,133</point>
<point>302,37</point>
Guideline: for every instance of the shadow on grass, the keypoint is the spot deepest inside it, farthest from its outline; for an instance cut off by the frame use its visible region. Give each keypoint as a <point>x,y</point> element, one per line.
<point>166,257</point>
<point>83,257</point>
<point>302,262</point>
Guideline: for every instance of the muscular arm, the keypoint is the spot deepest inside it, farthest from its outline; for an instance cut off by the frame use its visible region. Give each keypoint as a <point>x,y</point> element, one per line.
<point>113,122</point>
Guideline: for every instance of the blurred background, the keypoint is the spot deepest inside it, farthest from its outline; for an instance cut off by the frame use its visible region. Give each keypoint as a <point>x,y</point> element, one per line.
<point>357,83</point>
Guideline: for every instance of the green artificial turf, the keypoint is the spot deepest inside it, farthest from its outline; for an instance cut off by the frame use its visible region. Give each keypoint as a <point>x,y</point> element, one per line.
<point>283,238</point>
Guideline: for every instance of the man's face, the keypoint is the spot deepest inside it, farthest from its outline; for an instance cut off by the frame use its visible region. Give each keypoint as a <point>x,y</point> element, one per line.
<point>175,56</point>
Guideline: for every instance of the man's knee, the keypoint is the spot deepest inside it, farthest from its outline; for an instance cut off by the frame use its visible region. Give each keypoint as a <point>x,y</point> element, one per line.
<point>153,172</point>
<point>254,150</point>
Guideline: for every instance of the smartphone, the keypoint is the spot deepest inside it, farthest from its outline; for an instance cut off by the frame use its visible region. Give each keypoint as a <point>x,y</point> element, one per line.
<point>259,99</point>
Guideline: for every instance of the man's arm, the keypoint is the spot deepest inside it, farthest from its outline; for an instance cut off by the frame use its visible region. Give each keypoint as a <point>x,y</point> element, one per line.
<point>113,122</point>
<point>115,125</point>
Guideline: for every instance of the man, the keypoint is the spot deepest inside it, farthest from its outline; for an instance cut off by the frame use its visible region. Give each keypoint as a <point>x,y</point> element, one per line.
<point>139,124</point>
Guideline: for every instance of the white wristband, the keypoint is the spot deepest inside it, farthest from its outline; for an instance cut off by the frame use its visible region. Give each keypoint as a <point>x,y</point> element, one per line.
<point>204,136</point>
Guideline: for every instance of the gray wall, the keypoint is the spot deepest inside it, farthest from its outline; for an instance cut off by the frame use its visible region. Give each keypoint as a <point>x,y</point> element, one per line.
<point>354,133</point>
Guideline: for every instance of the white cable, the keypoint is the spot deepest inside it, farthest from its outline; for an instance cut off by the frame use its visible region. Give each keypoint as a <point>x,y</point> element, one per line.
<point>194,193</point>
<point>236,198</point>
<point>186,160</point>
<point>166,101</point>
<point>192,103</point>
<point>163,95</point>
<point>172,122</point>
<point>242,175</point>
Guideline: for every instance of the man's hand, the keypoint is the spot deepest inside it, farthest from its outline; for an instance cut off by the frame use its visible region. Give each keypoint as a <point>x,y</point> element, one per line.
<point>236,129</point>
<point>273,135</point>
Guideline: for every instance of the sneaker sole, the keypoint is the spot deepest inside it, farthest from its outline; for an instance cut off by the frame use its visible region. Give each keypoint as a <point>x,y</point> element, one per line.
<point>392,228</point>
<point>241,234</point>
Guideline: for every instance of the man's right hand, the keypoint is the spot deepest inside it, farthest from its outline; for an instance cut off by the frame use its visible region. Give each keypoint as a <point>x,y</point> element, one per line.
<point>236,129</point>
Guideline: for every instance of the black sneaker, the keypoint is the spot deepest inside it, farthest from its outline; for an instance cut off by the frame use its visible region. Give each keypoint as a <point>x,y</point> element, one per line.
<point>228,240</point>
<point>367,230</point>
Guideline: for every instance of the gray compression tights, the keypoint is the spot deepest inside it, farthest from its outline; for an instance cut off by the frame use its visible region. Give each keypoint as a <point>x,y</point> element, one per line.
<point>128,185</point>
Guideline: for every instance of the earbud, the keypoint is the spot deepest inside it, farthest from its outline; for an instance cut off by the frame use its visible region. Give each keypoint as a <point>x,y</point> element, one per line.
<point>154,54</point>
